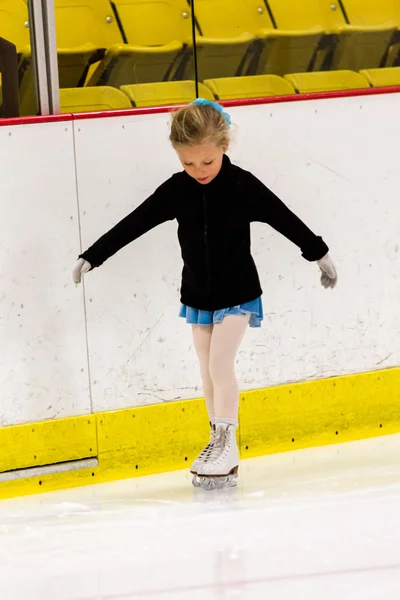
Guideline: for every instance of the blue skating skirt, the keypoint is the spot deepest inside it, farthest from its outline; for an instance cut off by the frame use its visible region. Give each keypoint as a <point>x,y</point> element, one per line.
<point>195,316</point>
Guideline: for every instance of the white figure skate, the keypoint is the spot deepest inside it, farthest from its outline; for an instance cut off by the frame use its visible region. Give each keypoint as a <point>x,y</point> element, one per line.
<point>221,465</point>
<point>202,457</point>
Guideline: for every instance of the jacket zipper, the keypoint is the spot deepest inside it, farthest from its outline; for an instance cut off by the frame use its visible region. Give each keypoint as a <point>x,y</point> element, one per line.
<point>207,251</point>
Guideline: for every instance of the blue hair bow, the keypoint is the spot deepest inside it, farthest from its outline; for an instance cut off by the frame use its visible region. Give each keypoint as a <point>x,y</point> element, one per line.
<point>218,107</point>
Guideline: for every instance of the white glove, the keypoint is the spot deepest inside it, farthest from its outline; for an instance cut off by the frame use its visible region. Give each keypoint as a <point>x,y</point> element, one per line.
<point>82,267</point>
<point>329,275</point>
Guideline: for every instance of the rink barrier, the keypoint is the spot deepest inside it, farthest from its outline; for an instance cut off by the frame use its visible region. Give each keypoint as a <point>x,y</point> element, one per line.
<point>164,437</point>
<point>154,110</point>
<point>49,442</point>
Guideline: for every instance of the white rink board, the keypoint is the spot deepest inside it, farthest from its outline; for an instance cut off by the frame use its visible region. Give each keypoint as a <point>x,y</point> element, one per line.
<point>138,347</point>
<point>334,162</point>
<point>43,357</point>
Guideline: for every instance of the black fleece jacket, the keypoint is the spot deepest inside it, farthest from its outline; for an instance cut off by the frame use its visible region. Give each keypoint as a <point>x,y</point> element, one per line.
<point>214,233</point>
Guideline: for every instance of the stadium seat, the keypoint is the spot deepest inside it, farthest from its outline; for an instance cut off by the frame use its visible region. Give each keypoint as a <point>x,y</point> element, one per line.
<point>372,12</point>
<point>126,64</point>
<point>362,47</point>
<point>83,22</point>
<point>253,86</point>
<point>165,93</point>
<point>92,99</point>
<point>326,81</point>
<point>302,15</point>
<point>382,77</point>
<point>85,29</point>
<point>13,27</point>
<point>219,57</point>
<point>298,38</point>
<point>230,18</point>
<point>285,51</point>
<point>88,32</point>
<point>274,51</point>
<point>13,20</point>
<point>349,47</point>
<point>154,33</point>
<point>377,13</point>
<point>160,46</point>
<point>227,34</point>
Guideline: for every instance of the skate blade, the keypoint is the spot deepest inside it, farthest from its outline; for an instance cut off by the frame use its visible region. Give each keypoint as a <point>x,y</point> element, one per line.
<point>196,481</point>
<point>233,473</point>
<point>218,482</point>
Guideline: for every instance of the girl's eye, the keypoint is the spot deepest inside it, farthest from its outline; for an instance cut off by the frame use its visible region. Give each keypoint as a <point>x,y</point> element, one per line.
<point>188,164</point>
<point>209,163</point>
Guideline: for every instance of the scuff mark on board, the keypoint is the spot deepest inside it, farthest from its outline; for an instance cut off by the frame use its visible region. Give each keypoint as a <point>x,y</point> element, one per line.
<point>330,170</point>
<point>383,359</point>
<point>147,336</point>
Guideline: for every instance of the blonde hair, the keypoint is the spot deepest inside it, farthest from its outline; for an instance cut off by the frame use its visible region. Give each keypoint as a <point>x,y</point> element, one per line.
<point>195,123</point>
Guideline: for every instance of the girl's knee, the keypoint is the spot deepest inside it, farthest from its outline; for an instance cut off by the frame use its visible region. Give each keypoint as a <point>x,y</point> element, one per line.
<point>221,369</point>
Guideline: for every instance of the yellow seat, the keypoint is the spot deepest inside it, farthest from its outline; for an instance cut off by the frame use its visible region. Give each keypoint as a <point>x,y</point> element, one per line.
<point>326,81</point>
<point>165,93</point>
<point>83,22</point>
<point>285,51</point>
<point>348,47</point>
<point>154,22</point>
<point>14,27</point>
<point>154,32</point>
<point>302,15</point>
<point>372,12</point>
<point>253,86</point>
<point>13,23</point>
<point>126,64</point>
<point>362,47</point>
<point>377,13</point>
<point>230,18</point>
<point>160,47</point>
<point>382,77</point>
<point>92,99</point>
<point>226,44</point>
<point>85,29</point>
<point>274,51</point>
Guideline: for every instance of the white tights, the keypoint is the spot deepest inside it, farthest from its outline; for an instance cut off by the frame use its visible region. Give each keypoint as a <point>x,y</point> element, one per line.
<point>216,347</point>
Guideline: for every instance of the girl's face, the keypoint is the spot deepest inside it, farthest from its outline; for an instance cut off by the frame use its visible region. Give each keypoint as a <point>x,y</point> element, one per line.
<point>203,162</point>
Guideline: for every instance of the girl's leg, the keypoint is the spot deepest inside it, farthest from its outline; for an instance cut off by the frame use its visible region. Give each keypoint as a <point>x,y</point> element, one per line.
<point>225,341</point>
<point>221,466</point>
<point>202,340</point>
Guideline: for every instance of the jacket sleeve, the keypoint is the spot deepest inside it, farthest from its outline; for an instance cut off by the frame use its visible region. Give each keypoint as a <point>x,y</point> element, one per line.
<point>157,209</point>
<point>266,207</point>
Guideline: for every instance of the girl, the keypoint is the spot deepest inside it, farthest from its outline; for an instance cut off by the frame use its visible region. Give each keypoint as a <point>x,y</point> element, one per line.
<point>214,203</point>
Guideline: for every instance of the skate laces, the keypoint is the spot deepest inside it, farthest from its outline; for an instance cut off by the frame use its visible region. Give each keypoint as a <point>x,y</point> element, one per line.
<point>204,453</point>
<point>220,446</point>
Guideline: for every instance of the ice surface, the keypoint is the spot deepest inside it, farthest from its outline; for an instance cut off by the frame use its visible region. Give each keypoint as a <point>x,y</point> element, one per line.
<point>318,524</point>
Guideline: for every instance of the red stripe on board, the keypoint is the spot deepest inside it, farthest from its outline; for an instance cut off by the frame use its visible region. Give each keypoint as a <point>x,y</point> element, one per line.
<point>31,120</point>
<point>153,110</point>
<point>105,114</point>
<point>314,96</point>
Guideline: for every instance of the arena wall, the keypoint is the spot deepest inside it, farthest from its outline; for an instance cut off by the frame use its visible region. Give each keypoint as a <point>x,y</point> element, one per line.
<point>110,368</point>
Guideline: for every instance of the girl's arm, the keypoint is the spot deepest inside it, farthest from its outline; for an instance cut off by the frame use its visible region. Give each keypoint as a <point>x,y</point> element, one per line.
<point>266,207</point>
<point>157,209</point>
